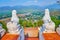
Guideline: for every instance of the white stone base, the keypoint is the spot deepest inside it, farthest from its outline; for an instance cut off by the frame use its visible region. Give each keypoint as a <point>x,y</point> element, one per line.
<point>49,31</point>
<point>58,30</point>
<point>2,32</point>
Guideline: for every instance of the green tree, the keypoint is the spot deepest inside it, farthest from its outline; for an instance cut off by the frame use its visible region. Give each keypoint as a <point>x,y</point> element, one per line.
<point>3,25</point>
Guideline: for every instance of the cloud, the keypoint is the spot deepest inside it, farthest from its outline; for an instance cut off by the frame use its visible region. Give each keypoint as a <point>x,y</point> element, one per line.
<point>36,0</point>
<point>39,2</point>
<point>30,3</point>
<point>27,2</point>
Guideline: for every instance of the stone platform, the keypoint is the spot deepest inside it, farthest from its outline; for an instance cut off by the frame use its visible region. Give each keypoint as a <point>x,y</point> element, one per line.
<point>47,36</point>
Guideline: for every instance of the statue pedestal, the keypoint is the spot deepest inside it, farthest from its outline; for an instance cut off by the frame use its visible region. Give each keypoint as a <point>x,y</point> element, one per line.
<point>2,31</point>
<point>13,28</point>
<point>50,27</point>
<point>49,31</point>
<point>58,30</point>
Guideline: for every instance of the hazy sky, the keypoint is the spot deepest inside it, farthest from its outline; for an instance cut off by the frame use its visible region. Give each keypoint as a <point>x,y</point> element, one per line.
<point>27,2</point>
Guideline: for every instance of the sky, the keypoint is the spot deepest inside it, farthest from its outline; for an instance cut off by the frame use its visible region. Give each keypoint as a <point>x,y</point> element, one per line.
<point>27,2</point>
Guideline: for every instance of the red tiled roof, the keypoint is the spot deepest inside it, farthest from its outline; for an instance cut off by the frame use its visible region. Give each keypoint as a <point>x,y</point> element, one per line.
<point>47,36</point>
<point>9,37</point>
<point>51,36</point>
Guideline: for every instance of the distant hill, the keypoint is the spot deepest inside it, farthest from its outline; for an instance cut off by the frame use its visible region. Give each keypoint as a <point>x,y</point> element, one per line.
<point>54,6</point>
<point>32,8</point>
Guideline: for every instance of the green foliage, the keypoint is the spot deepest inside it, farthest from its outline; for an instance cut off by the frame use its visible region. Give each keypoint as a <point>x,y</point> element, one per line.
<point>30,23</point>
<point>40,22</point>
<point>3,25</point>
<point>56,21</point>
<point>53,18</point>
<point>25,23</point>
